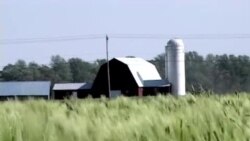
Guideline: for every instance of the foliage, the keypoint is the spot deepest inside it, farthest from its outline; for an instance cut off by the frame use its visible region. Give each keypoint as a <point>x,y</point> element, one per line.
<point>190,118</point>
<point>59,70</point>
<point>81,71</point>
<point>159,62</point>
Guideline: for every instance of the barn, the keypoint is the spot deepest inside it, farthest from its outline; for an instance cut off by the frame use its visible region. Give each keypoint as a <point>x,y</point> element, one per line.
<point>68,90</point>
<point>130,76</point>
<point>25,89</point>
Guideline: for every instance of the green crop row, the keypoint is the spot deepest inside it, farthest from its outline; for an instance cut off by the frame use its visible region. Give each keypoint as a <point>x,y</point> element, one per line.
<point>189,118</point>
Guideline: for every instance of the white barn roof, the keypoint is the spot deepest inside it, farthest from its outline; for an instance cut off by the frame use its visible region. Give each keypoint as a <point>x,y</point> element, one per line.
<point>141,69</point>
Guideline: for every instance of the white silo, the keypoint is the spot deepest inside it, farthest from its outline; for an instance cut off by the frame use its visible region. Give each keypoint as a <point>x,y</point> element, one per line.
<point>175,66</point>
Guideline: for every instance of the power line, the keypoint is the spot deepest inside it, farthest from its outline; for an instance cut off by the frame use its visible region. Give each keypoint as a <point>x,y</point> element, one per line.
<point>51,39</point>
<point>126,36</point>
<point>183,36</point>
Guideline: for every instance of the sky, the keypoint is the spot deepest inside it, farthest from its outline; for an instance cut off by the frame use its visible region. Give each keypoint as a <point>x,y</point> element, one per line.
<point>55,18</point>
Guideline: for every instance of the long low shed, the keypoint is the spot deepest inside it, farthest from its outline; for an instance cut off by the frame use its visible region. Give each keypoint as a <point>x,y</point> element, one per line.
<point>67,90</point>
<point>25,89</point>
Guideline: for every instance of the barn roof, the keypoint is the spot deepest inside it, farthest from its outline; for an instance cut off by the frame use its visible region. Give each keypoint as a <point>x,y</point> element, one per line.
<point>25,88</point>
<point>72,86</point>
<point>141,69</point>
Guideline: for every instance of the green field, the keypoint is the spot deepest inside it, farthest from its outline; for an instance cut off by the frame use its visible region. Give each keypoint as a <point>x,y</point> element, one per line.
<point>189,118</point>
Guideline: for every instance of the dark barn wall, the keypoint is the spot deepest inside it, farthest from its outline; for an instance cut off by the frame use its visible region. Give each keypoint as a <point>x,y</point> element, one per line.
<point>152,91</point>
<point>84,93</point>
<point>62,94</point>
<point>120,79</point>
<point>65,94</point>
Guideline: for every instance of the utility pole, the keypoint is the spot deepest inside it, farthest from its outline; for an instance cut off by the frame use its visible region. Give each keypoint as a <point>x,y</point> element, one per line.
<point>108,73</point>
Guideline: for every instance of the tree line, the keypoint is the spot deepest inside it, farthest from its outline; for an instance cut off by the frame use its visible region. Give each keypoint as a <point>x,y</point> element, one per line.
<point>59,70</point>
<point>211,73</point>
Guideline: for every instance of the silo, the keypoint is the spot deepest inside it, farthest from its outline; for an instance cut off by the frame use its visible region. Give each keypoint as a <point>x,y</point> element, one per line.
<point>175,66</point>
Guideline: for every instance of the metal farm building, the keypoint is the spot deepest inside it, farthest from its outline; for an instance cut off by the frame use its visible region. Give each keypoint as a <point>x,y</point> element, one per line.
<point>67,90</point>
<point>25,89</point>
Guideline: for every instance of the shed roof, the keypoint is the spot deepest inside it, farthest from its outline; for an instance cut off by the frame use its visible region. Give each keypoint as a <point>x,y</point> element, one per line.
<point>72,86</point>
<point>25,88</point>
<point>141,69</point>
<point>156,83</point>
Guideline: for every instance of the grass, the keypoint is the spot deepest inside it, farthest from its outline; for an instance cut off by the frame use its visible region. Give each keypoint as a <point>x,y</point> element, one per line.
<point>189,118</point>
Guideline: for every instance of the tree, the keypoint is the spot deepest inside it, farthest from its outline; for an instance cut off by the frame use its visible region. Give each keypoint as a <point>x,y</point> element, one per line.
<point>34,71</point>
<point>47,73</point>
<point>97,64</point>
<point>19,72</point>
<point>61,69</point>
<point>81,70</point>
<point>1,77</point>
<point>10,73</point>
<point>196,78</point>
<point>159,62</point>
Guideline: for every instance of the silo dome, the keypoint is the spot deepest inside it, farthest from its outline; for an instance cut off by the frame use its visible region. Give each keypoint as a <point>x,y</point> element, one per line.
<point>175,43</point>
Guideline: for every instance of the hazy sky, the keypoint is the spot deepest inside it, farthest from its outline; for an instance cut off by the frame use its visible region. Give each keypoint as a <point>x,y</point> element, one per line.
<point>51,18</point>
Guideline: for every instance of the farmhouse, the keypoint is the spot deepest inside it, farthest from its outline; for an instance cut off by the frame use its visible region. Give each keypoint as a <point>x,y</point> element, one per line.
<point>130,76</point>
<point>67,90</point>
<point>25,89</point>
